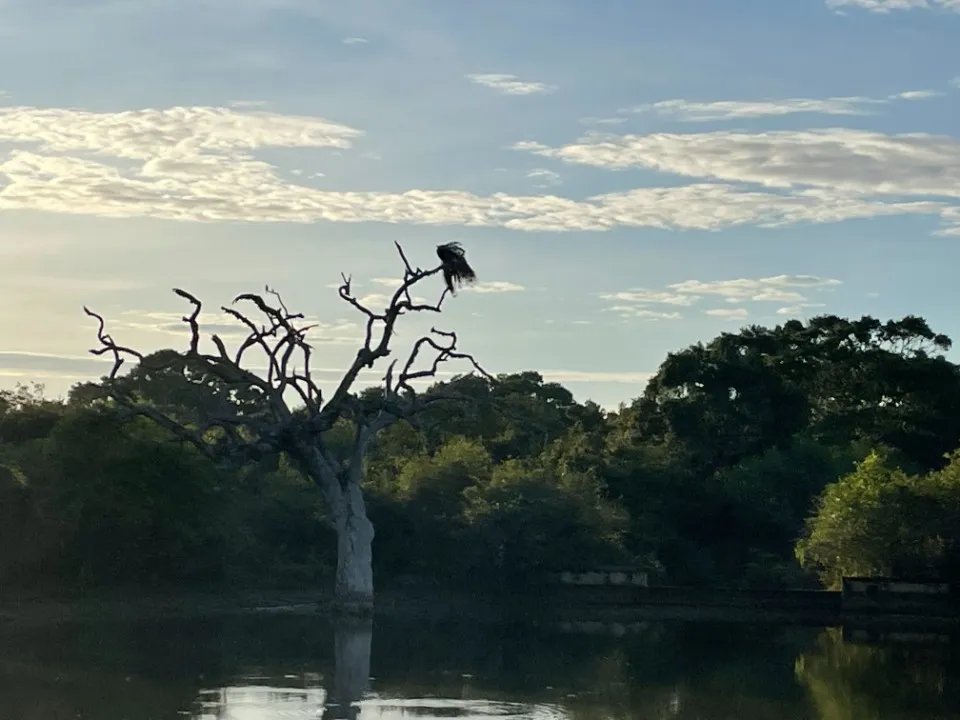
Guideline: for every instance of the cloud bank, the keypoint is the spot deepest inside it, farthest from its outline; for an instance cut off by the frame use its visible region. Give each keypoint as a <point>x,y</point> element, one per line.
<point>840,172</point>
<point>858,161</point>
<point>198,164</point>
<point>793,289</point>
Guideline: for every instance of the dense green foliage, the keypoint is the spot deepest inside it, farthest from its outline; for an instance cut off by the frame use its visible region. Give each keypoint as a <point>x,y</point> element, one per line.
<point>763,458</point>
<point>880,520</point>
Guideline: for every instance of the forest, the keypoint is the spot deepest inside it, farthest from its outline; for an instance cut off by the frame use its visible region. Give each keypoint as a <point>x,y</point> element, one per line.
<point>775,457</point>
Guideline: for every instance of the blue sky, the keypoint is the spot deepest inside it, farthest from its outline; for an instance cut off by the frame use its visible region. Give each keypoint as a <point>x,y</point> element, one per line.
<point>627,177</point>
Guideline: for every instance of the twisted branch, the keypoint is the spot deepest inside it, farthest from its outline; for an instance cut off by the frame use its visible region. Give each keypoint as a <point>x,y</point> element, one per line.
<point>281,338</point>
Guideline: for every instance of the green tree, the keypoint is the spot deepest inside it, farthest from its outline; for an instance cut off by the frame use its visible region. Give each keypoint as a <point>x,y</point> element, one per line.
<point>882,520</point>
<point>529,522</point>
<point>515,415</point>
<point>741,394</point>
<point>120,502</point>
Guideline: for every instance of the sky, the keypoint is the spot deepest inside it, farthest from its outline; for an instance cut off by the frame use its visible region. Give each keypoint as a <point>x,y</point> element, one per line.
<point>628,177</point>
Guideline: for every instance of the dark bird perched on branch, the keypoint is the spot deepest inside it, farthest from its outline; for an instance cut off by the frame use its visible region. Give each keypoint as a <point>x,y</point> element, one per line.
<point>456,269</point>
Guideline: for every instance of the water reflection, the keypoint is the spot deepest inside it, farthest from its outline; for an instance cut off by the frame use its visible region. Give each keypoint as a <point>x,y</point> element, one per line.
<point>254,702</point>
<point>906,677</point>
<point>352,643</point>
<point>260,667</point>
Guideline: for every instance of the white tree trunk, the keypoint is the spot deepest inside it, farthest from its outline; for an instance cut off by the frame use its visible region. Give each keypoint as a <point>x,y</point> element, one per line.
<point>353,591</point>
<point>353,585</point>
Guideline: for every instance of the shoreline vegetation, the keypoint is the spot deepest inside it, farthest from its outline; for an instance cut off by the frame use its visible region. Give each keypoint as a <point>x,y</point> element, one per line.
<point>699,605</point>
<point>763,460</point>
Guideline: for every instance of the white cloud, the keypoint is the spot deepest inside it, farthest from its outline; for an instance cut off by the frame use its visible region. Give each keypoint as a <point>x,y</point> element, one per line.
<point>730,313</point>
<point>374,301</point>
<point>355,41</point>
<point>641,295</point>
<point>858,161</point>
<point>834,169</point>
<point>703,111</point>
<point>530,145</point>
<point>179,132</point>
<point>641,298</point>
<point>495,286</point>
<point>952,215</point>
<point>636,311</point>
<point>778,288</point>
<point>690,111</point>
<point>510,84</point>
<point>195,164</point>
<point>545,178</point>
<point>603,120</point>
<point>247,103</point>
<point>884,6</point>
<point>917,95</point>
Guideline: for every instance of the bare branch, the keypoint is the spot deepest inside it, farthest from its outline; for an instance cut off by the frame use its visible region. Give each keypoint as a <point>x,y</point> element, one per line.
<point>279,335</point>
<point>406,263</point>
<point>227,370</point>
<point>283,307</point>
<point>372,350</point>
<point>109,346</point>
<point>446,350</point>
<point>192,320</point>
<point>221,348</point>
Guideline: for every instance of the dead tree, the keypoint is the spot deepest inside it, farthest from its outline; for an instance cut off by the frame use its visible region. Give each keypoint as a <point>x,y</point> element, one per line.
<point>239,435</point>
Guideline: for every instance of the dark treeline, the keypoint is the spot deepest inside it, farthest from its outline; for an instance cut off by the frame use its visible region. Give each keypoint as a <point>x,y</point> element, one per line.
<point>772,457</point>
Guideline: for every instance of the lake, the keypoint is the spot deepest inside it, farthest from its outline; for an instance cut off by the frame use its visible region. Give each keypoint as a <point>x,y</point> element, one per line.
<point>298,666</point>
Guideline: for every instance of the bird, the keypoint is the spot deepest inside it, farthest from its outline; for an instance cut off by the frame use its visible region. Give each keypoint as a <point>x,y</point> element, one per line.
<point>456,269</point>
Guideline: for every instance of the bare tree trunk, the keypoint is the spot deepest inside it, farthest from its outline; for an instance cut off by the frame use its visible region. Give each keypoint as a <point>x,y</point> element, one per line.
<point>353,584</point>
<point>353,591</point>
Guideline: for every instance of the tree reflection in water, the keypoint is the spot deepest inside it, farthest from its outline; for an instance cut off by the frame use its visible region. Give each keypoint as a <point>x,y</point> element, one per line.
<point>298,667</point>
<point>894,681</point>
<point>351,675</point>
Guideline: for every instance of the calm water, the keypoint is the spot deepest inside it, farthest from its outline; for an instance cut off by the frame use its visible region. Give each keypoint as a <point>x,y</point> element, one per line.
<point>288,667</point>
